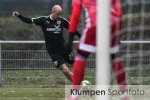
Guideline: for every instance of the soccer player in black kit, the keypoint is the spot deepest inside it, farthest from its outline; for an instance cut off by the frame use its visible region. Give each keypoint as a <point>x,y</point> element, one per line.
<point>52,27</point>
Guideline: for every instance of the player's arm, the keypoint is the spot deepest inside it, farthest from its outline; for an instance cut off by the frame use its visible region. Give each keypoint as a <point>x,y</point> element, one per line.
<point>75,16</point>
<point>37,21</point>
<point>24,19</point>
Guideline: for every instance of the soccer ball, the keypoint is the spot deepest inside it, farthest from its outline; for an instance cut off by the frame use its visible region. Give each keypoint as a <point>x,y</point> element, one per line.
<point>85,83</point>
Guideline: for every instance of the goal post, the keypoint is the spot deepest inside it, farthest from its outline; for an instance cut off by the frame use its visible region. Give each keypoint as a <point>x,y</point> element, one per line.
<point>103,46</point>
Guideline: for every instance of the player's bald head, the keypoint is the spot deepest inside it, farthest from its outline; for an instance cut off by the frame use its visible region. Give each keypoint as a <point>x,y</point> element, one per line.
<point>56,12</point>
<point>57,9</point>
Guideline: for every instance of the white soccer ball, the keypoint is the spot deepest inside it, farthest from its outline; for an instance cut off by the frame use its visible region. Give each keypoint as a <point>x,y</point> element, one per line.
<point>85,83</point>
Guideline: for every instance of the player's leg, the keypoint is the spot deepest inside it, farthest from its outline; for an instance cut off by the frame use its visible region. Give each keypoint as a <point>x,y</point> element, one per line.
<point>86,45</point>
<point>60,63</point>
<point>119,71</point>
<point>69,58</point>
<point>78,72</point>
<point>79,67</point>
<point>65,70</point>
<point>117,65</point>
<point>120,75</point>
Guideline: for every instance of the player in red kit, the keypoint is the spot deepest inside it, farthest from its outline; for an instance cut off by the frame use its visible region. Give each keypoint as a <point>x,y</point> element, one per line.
<point>87,42</point>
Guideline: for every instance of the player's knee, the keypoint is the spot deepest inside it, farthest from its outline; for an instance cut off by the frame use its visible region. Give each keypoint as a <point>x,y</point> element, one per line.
<point>65,70</point>
<point>116,60</point>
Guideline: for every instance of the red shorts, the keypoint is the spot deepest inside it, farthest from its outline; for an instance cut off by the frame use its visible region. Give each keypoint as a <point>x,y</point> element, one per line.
<point>88,39</point>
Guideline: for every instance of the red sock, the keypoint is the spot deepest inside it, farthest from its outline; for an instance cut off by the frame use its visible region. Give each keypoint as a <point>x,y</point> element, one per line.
<point>78,70</point>
<point>120,74</point>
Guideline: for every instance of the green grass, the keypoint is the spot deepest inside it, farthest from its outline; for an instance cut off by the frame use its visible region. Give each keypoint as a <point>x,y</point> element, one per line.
<point>49,84</point>
<point>54,78</point>
<point>39,78</point>
<point>51,94</point>
<point>31,93</point>
<point>36,84</point>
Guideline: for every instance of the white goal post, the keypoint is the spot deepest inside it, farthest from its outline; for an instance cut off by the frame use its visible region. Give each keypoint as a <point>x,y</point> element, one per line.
<point>103,45</point>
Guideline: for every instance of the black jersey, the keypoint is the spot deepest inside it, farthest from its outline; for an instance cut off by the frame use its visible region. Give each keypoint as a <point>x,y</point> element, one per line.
<point>52,30</point>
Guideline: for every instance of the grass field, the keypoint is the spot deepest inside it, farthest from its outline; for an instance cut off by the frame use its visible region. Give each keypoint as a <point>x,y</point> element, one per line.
<point>31,93</point>
<point>36,84</point>
<point>49,84</point>
<point>54,78</point>
<point>39,78</point>
<point>50,94</point>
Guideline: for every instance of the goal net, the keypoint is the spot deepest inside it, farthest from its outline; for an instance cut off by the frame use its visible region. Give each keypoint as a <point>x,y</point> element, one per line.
<point>135,40</point>
<point>134,45</point>
<point>134,48</point>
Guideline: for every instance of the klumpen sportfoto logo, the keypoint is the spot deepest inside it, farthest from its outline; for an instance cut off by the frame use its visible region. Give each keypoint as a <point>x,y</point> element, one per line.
<point>112,91</point>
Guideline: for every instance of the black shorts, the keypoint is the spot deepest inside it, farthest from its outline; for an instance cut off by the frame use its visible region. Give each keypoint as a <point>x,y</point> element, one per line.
<point>62,58</point>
